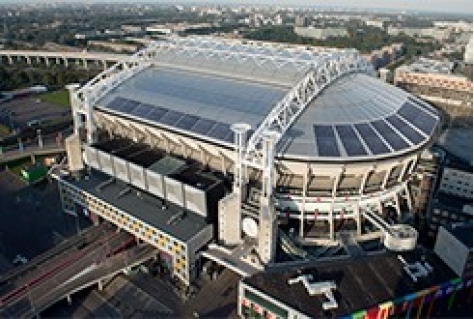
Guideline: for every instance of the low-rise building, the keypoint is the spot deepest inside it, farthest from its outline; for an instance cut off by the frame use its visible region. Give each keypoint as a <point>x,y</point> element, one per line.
<point>453,201</point>
<point>456,180</point>
<point>320,33</point>
<point>446,210</point>
<point>439,34</point>
<point>417,284</point>
<point>424,181</point>
<point>386,55</point>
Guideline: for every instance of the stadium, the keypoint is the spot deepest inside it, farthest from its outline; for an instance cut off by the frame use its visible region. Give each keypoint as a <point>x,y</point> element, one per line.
<point>299,138</point>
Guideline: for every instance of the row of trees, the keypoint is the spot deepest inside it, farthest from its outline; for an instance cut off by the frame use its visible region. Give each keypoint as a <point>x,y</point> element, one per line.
<point>16,77</point>
<point>365,40</point>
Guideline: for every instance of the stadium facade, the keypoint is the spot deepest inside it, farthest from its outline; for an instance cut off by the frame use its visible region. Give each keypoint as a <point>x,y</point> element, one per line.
<point>304,136</point>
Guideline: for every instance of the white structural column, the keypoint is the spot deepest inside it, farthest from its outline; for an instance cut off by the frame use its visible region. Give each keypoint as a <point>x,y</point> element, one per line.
<point>337,179</point>
<point>365,178</point>
<point>386,177</point>
<point>408,196</point>
<point>397,206</point>
<point>303,201</point>
<point>90,125</point>
<point>331,220</point>
<point>72,89</point>
<point>240,138</point>
<point>268,176</point>
<point>358,219</point>
<point>267,216</point>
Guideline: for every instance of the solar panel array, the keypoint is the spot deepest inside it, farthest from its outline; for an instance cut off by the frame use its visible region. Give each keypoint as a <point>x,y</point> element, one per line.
<point>411,125</point>
<point>174,119</point>
<point>206,106</point>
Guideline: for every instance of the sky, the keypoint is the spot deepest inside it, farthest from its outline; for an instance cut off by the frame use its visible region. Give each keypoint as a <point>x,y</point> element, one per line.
<point>447,6</point>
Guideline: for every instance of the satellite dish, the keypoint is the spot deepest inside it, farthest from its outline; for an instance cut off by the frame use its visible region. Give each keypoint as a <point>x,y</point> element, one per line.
<point>250,227</point>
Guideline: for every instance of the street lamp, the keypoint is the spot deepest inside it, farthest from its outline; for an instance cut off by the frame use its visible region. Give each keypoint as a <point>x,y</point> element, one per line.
<point>40,138</point>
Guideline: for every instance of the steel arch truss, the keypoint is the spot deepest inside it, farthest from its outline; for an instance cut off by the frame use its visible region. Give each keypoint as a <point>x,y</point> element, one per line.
<point>259,53</point>
<point>285,112</point>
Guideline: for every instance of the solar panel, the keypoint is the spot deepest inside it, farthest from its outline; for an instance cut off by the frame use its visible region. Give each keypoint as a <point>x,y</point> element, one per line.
<point>203,126</point>
<point>350,140</point>
<point>116,103</point>
<point>128,106</point>
<point>424,106</point>
<point>388,134</point>
<point>142,110</point>
<point>156,114</point>
<point>187,121</point>
<point>371,139</point>
<point>171,117</point>
<point>326,140</point>
<point>230,138</point>
<point>414,136</point>
<point>220,131</point>
<point>421,119</point>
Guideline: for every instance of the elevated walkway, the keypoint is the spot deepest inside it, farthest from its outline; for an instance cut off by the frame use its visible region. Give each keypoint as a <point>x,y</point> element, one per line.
<point>399,237</point>
<point>290,247</point>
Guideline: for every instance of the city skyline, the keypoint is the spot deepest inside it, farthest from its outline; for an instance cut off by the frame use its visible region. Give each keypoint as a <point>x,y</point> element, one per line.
<point>454,6</point>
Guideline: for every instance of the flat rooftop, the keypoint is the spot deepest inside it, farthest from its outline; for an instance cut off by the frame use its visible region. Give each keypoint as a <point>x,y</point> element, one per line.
<point>361,284</point>
<point>142,206</point>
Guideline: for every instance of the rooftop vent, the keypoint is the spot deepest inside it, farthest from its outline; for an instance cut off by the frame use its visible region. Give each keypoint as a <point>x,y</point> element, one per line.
<point>318,288</point>
<point>416,270</point>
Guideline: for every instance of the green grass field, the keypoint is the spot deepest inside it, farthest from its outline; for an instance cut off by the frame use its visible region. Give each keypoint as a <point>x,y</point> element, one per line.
<point>4,130</point>
<point>59,98</point>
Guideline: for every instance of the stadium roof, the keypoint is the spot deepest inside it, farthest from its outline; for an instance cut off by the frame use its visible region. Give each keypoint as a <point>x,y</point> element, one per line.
<point>199,92</point>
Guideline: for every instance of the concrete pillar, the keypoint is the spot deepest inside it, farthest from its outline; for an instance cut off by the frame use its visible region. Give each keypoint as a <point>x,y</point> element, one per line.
<point>240,138</point>
<point>84,61</point>
<point>72,88</point>
<point>365,178</point>
<point>28,59</point>
<point>100,285</point>
<point>58,60</point>
<point>10,59</point>
<point>104,64</point>
<point>69,299</point>
<point>46,61</point>
<point>40,138</point>
<point>380,206</point>
<point>412,167</point>
<point>397,207</point>
<point>358,219</point>
<point>66,63</point>
<point>331,221</point>
<point>268,165</point>
<point>337,179</point>
<point>303,209</point>
<point>408,197</point>
<point>386,177</point>
<point>38,59</point>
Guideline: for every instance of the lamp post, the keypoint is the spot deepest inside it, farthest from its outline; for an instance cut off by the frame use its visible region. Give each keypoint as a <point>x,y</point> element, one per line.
<point>40,138</point>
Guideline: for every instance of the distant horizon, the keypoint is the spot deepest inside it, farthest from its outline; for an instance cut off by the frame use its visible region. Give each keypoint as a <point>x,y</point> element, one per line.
<point>463,7</point>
